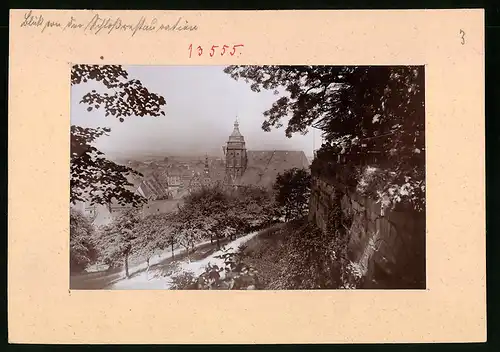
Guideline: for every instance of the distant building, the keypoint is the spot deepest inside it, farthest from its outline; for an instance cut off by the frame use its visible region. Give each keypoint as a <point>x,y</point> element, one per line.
<point>209,177</point>
<point>260,168</point>
<point>150,187</point>
<point>103,214</point>
<point>174,180</point>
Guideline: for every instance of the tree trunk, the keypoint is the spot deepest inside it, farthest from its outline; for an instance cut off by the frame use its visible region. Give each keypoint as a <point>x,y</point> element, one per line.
<point>172,244</point>
<point>218,242</point>
<point>211,239</point>
<point>187,253</point>
<point>126,265</point>
<point>147,269</point>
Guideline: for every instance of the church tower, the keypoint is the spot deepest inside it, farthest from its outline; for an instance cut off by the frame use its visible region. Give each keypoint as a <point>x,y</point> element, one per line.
<point>206,169</point>
<point>236,154</point>
<point>206,172</point>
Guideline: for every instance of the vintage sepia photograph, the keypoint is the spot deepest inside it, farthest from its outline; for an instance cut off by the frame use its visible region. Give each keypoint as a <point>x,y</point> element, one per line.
<point>247,177</point>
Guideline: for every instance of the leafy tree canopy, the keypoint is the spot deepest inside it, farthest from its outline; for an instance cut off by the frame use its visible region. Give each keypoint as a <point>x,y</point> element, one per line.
<point>154,232</point>
<point>116,240</point>
<point>215,213</point>
<point>370,114</point>
<point>293,189</point>
<point>83,250</point>
<point>128,97</point>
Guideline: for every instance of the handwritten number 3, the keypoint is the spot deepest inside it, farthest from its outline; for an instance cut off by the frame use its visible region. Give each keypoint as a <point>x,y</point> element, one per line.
<point>462,33</point>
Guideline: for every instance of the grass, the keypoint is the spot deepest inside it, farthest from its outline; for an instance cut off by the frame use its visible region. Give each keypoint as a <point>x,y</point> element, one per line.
<point>263,252</point>
<point>286,257</point>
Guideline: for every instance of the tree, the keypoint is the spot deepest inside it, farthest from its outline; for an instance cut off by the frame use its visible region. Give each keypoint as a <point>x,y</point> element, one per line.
<point>215,213</point>
<point>372,114</point>
<point>205,213</point>
<point>254,205</point>
<point>93,177</point>
<point>82,247</point>
<point>147,240</point>
<point>293,189</point>
<point>118,240</point>
<point>187,231</point>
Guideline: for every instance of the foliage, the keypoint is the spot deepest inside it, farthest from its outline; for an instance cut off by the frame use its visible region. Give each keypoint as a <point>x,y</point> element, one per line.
<point>154,232</point>
<point>263,253</point>
<point>309,260</point>
<point>82,247</point>
<point>293,189</point>
<point>298,255</point>
<point>215,213</point>
<point>187,230</point>
<point>337,224</point>
<point>374,115</point>
<point>185,280</point>
<point>233,275</point>
<point>353,276</point>
<point>256,206</point>
<point>128,98</point>
<point>93,177</point>
<point>209,213</point>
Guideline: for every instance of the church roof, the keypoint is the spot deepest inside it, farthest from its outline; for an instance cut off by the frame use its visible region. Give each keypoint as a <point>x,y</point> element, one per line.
<point>264,166</point>
<point>236,139</point>
<point>161,206</point>
<point>146,190</point>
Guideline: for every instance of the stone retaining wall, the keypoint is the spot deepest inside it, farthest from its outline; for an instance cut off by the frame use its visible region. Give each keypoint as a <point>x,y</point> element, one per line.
<point>388,246</point>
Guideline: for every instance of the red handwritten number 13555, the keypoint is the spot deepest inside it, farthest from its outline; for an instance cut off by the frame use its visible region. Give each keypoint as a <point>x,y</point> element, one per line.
<point>222,49</point>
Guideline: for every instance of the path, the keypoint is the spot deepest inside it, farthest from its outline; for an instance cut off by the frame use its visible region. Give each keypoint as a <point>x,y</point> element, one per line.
<point>101,279</point>
<point>156,279</point>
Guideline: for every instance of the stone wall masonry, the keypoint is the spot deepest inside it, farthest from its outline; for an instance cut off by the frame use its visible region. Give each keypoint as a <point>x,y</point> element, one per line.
<point>388,246</point>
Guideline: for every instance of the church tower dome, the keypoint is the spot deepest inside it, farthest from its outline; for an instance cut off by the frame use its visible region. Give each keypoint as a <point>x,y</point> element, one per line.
<point>236,139</point>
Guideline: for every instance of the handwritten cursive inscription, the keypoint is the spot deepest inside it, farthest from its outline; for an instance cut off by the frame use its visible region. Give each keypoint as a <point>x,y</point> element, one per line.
<point>107,25</point>
<point>31,20</point>
<point>72,24</point>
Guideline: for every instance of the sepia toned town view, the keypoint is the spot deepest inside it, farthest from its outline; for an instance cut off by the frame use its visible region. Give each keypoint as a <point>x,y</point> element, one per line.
<point>247,177</point>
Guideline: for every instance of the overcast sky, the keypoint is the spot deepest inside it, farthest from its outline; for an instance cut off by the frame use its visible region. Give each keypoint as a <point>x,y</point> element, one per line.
<point>202,104</point>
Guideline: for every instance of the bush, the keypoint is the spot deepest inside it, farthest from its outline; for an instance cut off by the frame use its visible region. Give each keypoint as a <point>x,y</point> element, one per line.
<point>233,275</point>
<point>300,256</point>
<point>82,247</point>
<point>183,281</point>
<point>310,260</point>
